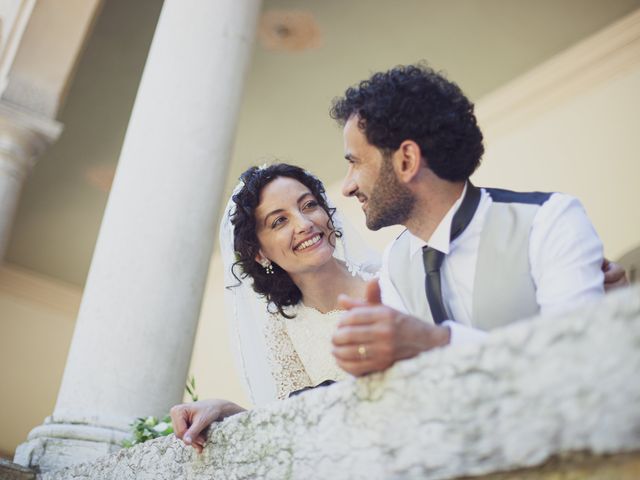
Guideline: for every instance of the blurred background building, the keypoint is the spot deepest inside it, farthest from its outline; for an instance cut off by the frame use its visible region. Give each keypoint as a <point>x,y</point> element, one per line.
<point>557,93</point>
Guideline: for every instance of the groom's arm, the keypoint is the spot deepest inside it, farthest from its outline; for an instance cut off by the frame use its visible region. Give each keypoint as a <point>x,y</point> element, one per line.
<point>566,256</point>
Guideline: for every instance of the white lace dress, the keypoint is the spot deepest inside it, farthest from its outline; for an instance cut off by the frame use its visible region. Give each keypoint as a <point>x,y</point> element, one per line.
<point>300,349</point>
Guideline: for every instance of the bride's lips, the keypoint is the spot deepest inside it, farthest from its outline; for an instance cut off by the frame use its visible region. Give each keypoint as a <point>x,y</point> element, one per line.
<point>311,247</point>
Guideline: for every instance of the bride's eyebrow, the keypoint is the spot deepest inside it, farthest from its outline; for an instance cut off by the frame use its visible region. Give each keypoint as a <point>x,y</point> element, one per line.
<point>305,194</point>
<point>280,210</point>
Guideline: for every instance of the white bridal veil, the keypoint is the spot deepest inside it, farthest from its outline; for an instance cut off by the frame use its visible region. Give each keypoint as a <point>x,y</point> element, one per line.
<point>247,312</point>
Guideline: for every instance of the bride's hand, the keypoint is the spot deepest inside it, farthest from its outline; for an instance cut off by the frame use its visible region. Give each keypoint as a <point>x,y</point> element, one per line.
<point>190,420</point>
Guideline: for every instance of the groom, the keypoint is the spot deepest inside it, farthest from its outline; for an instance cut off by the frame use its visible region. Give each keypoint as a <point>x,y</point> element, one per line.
<point>471,259</point>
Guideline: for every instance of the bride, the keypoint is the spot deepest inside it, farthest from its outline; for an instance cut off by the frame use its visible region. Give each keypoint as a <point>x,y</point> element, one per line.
<point>286,259</point>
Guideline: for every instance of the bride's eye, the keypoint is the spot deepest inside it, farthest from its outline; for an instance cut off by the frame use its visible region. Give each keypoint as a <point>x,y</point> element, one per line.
<point>277,222</point>
<point>311,204</point>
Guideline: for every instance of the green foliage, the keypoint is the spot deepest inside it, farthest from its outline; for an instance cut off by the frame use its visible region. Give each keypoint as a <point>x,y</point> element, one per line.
<point>143,429</point>
<point>190,387</point>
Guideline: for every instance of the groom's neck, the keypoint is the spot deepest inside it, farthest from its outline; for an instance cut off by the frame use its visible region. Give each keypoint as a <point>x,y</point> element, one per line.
<point>434,198</point>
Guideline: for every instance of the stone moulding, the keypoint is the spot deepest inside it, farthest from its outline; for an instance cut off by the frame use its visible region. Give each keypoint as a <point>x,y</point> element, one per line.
<point>536,390</point>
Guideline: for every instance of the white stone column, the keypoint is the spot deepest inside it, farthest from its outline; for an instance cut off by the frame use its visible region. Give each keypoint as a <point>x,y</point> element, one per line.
<point>23,137</point>
<point>135,330</point>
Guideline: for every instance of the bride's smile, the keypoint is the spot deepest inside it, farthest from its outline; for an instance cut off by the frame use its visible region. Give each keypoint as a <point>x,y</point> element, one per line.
<point>312,241</point>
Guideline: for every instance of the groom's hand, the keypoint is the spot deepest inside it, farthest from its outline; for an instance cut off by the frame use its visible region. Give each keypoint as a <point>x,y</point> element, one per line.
<point>371,336</point>
<point>614,275</point>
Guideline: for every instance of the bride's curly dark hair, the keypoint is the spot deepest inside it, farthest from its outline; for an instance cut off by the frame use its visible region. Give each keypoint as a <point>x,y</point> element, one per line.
<point>277,288</point>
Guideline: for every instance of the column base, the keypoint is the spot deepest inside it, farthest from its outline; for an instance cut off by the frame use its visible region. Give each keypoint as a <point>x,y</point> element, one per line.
<point>53,446</point>
<point>11,471</point>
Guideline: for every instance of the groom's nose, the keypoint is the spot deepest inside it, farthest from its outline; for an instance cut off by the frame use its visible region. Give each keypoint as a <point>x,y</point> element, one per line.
<point>349,187</point>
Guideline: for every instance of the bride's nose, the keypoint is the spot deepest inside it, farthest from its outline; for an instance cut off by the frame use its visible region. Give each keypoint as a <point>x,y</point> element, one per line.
<point>303,223</point>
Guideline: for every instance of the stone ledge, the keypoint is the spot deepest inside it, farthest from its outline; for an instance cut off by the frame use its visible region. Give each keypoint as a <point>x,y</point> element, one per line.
<point>534,391</point>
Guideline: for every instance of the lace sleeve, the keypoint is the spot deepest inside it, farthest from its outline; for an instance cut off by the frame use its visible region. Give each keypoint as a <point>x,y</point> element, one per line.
<point>286,366</point>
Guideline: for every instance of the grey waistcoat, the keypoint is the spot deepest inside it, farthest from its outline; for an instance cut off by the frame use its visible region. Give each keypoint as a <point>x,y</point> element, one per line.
<point>503,289</point>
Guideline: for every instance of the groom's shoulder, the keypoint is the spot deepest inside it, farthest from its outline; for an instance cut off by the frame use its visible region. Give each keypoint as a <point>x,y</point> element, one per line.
<point>402,237</point>
<point>396,252</point>
<point>400,243</point>
<point>500,195</point>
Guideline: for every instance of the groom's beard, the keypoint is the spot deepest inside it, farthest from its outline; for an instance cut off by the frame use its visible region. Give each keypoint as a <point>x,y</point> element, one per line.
<point>390,202</point>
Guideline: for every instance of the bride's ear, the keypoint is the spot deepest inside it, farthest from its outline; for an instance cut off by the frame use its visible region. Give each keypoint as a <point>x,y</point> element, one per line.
<point>260,258</point>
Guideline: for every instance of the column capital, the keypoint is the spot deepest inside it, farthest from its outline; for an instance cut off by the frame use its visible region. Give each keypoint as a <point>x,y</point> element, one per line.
<point>23,137</point>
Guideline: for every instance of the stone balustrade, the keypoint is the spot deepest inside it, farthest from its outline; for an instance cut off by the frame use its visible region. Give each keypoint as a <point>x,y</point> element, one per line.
<point>541,397</point>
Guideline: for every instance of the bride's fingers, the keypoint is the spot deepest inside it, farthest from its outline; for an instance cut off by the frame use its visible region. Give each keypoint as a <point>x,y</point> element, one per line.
<point>179,419</point>
<point>199,442</point>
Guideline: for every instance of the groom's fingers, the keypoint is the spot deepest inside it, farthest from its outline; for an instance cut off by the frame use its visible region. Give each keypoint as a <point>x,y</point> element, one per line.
<point>372,297</point>
<point>372,292</point>
<point>355,368</point>
<point>363,367</point>
<point>351,335</point>
<point>347,303</point>
<point>365,314</point>
<point>363,352</point>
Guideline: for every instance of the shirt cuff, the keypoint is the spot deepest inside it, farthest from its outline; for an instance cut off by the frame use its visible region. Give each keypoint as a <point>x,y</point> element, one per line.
<point>463,335</point>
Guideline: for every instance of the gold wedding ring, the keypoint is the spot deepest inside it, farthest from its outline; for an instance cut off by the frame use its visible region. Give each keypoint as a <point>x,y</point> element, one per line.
<point>362,351</point>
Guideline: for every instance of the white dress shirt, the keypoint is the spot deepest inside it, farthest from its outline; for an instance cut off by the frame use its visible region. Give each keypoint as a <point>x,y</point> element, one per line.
<point>565,254</point>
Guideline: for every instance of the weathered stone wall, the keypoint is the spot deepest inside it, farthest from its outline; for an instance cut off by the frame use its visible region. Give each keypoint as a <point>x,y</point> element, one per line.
<point>535,391</point>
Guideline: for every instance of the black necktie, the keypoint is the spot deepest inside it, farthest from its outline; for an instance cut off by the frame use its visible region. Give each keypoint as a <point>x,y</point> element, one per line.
<point>433,258</point>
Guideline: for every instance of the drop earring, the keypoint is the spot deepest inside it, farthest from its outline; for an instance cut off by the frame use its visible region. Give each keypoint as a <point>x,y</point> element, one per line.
<point>268,267</point>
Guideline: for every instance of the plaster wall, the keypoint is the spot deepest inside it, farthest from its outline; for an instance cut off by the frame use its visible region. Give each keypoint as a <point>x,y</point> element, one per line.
<point>37,317</point>
<point>586,146</point>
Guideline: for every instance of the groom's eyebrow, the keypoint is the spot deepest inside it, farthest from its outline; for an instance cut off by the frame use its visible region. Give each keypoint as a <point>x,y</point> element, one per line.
<point>279,210</point>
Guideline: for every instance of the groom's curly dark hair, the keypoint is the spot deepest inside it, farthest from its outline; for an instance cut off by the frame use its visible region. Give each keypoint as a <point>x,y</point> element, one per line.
<point>277,287</point>
<point>416,103</point>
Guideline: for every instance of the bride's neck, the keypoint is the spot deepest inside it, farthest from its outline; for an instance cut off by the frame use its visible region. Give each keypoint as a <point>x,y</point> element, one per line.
<point>320,288</point>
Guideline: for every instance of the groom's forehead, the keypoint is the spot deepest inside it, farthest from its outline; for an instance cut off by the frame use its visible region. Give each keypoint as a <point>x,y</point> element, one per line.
<point>354,137</point>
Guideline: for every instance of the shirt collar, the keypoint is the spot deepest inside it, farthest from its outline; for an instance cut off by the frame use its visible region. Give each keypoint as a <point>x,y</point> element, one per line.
<point>441,236</point>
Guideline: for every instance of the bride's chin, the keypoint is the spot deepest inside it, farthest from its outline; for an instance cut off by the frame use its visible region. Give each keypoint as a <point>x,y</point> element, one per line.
<point>323,257</point>
<point>329,256</point>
